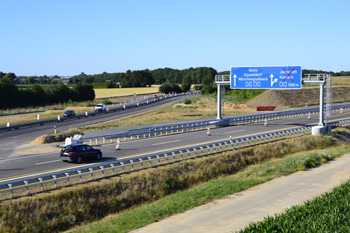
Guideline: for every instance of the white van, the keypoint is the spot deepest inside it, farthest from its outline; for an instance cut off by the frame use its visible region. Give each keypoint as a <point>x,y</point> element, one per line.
<point>100,108</point>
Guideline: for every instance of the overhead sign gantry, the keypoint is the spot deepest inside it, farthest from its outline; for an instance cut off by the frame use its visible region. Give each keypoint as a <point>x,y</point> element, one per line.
<point>266,77</point>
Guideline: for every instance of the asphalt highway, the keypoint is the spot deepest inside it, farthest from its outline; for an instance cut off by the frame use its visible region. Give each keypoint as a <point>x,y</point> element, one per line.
<point>13,169</point>
<point>10,140</point>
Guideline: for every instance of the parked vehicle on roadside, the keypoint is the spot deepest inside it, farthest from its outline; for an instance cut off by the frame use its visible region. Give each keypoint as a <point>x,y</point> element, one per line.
<point>69,113</point>
<point>100,108</point>
<point>79,152</point>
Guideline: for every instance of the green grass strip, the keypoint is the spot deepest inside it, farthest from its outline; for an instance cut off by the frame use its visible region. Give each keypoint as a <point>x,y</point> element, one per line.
<point>208,191</point>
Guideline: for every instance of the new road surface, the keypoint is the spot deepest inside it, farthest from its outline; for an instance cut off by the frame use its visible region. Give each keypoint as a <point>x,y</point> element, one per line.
<point>19,168</point>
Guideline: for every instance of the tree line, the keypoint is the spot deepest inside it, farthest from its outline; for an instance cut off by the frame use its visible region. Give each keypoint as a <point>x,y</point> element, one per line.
<point>143,78</point>
<point>170,79</point>
<point>13,97</point>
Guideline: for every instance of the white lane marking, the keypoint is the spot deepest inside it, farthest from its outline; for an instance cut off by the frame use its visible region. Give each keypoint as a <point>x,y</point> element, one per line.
<point>47,162</point>
<point>236,131</point>
<point>53,171</point>
<point>25,157</point>
<point>133,156</point>
<point>161,143</point>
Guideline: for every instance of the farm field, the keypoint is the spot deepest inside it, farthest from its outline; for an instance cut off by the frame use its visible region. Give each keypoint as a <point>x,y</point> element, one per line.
<point>113,92</point>
<point>341,81</point>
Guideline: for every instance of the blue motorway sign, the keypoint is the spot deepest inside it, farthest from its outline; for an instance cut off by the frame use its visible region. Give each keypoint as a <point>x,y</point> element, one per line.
<point>266,77</point>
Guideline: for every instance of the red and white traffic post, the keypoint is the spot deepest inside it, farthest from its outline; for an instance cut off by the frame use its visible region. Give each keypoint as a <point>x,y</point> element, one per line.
<point>309,116</point>
<point>341,110</point>
<point>265,122</point>
<point>208,131</point>
<point>117,145</point>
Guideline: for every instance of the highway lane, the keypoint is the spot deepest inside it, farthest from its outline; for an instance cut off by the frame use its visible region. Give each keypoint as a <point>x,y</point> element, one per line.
<point>23,167</point>
<point>83,121</point>
<point>12,139</point>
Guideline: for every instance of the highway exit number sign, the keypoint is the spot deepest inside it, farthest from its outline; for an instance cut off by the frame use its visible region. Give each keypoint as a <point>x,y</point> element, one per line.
<point>266,77</point>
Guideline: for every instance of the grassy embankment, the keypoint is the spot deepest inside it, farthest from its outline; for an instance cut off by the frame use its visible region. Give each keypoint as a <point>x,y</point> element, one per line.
<point>196,108</point>
<point>66,208</point>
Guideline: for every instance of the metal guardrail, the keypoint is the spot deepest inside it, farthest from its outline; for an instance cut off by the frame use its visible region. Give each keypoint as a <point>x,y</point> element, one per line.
<point>121,167</point>
<point>201,125</point>
<point>89,114</point>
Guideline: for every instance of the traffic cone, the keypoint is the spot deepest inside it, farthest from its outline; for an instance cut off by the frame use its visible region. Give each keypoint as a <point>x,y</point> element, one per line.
<point>117,145</point>
<point>208,131</point>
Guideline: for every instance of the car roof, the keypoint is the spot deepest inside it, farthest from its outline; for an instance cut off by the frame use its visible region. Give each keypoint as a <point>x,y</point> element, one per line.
<point>75,145</point>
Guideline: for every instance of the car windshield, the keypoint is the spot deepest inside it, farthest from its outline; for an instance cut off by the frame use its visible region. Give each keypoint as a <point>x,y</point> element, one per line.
<point>99,105</point>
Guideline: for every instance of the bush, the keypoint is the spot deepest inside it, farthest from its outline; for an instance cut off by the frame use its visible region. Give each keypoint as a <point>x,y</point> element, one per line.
<point>100,85</point>
<point>169,88</point>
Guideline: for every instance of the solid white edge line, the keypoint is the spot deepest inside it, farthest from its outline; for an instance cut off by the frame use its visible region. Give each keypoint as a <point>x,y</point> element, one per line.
<point>48,162</point>
<point>237,131</point>
<point>161,143</point>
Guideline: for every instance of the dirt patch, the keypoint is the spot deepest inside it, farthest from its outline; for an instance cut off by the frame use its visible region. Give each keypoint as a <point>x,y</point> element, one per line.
<point>38,141</point>
<point>59,137</point>
<point>229,106</point>
<point>298,98</point>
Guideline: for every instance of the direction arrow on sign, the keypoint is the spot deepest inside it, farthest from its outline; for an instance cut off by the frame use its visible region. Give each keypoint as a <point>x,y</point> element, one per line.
<point>266,77</point>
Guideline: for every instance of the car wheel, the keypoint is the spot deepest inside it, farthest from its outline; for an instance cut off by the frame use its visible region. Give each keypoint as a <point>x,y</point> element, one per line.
<point>99,156</point>
<point>79,159</point>
<point>65,161</point>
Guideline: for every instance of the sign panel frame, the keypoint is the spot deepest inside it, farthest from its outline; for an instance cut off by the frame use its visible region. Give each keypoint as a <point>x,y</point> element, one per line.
<point>266,77</point>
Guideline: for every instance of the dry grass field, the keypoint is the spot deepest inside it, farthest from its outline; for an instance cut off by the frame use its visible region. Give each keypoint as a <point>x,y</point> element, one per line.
<point>112,92</point>
<point>341,81</point>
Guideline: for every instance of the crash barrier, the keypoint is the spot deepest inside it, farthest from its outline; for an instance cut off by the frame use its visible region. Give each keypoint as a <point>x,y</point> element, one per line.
<point>129,105</point>
<point>121,167</point>
<point>166,129</point>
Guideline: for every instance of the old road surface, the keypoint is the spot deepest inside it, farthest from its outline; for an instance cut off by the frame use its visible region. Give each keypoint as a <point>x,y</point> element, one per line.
<point>236,211</point>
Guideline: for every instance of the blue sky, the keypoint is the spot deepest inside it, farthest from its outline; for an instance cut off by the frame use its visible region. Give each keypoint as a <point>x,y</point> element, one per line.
<point>69,37</point>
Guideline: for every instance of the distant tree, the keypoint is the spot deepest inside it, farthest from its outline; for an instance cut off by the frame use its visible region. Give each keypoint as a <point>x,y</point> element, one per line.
<point>38,95</point>
<point>147,78</point>
<point>30,80</point>
<point>169,88</point>
<point>42,80</point>
<point>208,85</point>
<point>8,93</point>
<point>111,84</point>
<point>186,83</point>
<point>175,88</point>
<point>10,76</point>
<point>85,91</point>
<point>165,88</point>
